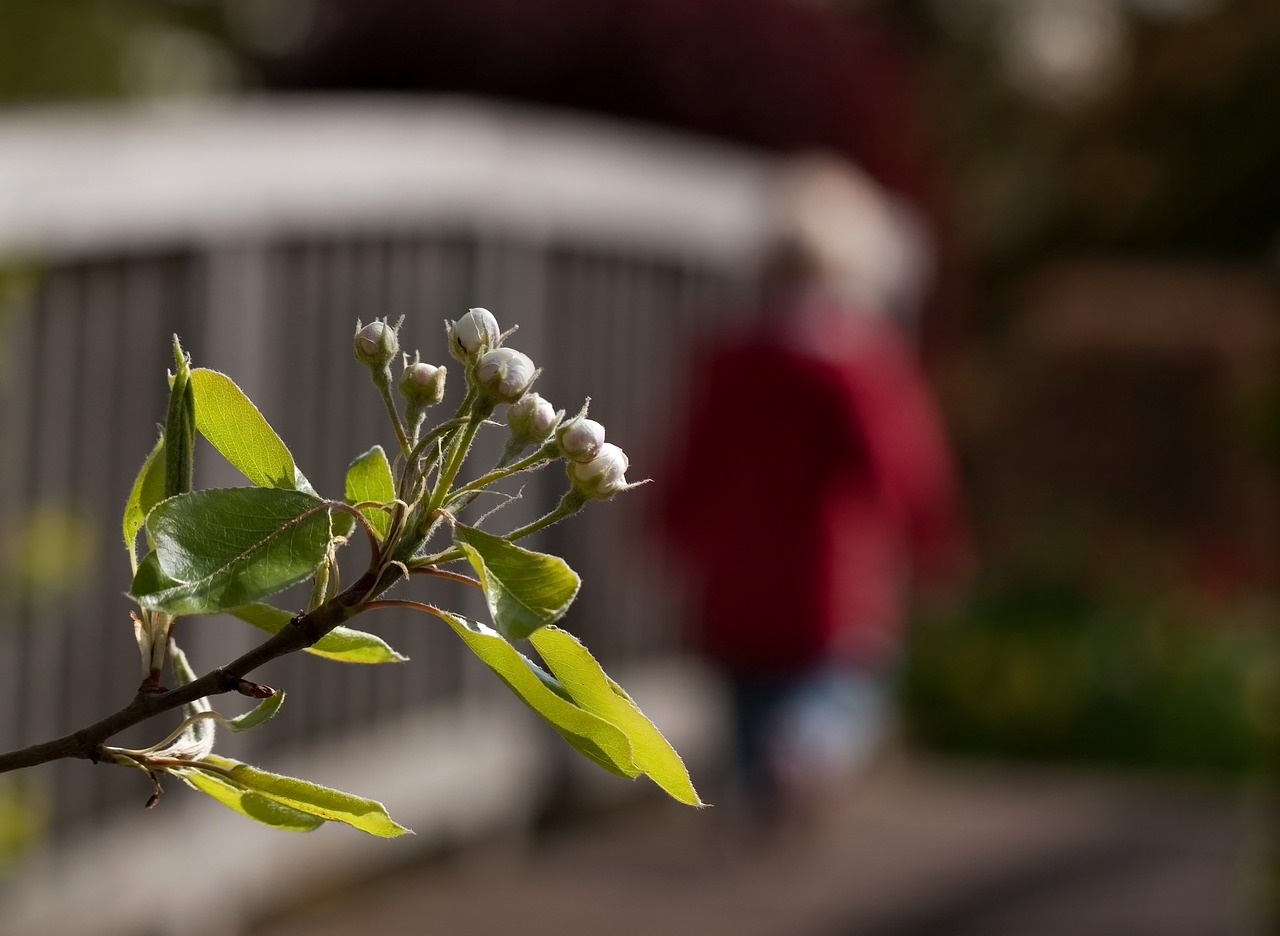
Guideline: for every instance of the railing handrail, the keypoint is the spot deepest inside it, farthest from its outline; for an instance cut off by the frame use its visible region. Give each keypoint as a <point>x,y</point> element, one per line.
<point>81,180</point>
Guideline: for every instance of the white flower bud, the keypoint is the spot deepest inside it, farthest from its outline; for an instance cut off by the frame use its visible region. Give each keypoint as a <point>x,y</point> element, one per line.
<point>475,332</point>
<point>504,375</point>
<point>531,419</point>
<point>602,476</point>
<point>581,439</point>
<point>376,344</point>
<point>423,384</point>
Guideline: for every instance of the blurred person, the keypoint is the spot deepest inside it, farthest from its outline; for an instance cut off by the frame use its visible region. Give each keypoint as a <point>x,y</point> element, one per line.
<point>812,483</point>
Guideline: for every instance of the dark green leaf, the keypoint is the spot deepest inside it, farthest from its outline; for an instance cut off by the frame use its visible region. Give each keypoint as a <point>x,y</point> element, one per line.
<point>342,643</point>
<point>312,798</point>
<point>599,740</point>
<point>588,685</point>
<point>369,479</point>
<point>525,590</point>
<point>249,803</point>
<point>226,547</point>
<point>179,428</point>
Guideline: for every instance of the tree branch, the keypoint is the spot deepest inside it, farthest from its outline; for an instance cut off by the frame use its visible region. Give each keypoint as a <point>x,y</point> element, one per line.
<point>300,633</point>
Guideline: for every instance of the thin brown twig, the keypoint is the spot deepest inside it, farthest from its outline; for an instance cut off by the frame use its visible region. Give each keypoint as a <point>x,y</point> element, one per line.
<point>446,574</point>
<point>300,633</point>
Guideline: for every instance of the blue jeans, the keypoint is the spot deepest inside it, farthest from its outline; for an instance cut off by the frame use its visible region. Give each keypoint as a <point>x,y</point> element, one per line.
<point>825,723</point>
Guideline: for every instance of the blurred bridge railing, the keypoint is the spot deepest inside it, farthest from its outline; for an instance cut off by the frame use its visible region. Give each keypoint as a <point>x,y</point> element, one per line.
<point>259,232</point>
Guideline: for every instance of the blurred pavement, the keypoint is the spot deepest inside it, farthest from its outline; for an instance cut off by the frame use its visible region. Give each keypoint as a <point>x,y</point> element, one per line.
<point>920,848</point>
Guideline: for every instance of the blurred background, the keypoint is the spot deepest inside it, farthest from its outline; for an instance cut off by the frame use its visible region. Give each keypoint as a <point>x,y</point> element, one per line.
<point>1088,731</point>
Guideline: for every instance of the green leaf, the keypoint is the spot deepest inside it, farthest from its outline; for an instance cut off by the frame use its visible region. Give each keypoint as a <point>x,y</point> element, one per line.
<point>342,643</point>
<point>235,427</point>
<point>248,802</point>
<point>148,490</point>
<point>590,687</point>
<point>590,734</point>
<point>198,737</point>
<point>179,428</point>
<point>369,479</point>
<point>260,714</point>
<point>525,590</point>
<point>364,814</point>
<point>226,547</point>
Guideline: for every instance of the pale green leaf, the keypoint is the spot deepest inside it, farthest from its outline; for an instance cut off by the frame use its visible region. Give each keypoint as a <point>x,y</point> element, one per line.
<point>249,803</point>
<point>260,714</point>
<point>590,687</point>
<point>197,738</point>
<point>525,590</point>
<point>342,643</point>
<point>235,427</point>
<point>364,814</point>
<point>222,548</point>
<point>148,490</point>
<point>590,734</point>
<point>369,479</point>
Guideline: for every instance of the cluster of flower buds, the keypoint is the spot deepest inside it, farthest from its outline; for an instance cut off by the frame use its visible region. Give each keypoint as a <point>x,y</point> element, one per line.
<point>497,374</point>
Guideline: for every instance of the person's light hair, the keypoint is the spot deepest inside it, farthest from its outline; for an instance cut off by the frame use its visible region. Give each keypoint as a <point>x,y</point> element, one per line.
<point>836,231</point>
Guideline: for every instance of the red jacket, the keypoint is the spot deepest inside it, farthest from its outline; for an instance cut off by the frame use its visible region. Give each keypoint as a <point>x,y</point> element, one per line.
<point>813,479</point>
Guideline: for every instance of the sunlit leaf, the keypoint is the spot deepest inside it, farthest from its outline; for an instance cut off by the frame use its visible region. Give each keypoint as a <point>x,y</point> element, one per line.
<point>590,734</point>
<point>364,814</point>
<point>589,686</point>
<point>238,430</point>
<point>342,643</point>
<point>226,547</point>
<point>148,490</point>
<point>248,802</point>
<point>525,590</point>
<point>369,479</point>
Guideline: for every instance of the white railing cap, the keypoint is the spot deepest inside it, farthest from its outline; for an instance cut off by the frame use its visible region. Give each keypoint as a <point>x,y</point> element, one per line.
<point>106,178</point>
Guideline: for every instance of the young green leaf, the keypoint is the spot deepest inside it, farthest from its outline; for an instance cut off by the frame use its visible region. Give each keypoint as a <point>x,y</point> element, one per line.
<point>249,803</point>
<point>179,427</point>
<point>364,814</point>
<point>222,548</point>
<point>196,739</point>
<point>342,643</point>
<point>588,685</point>
<point>369,479</point>
<point>148,490</point>
<point>590,734</point>
<point>525,590</point>
<point>236,428</point>
<point>260,714</point>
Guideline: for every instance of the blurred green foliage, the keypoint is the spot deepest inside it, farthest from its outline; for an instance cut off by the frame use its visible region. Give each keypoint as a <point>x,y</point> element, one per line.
<point>24,816</point>
<point>1039,669</point>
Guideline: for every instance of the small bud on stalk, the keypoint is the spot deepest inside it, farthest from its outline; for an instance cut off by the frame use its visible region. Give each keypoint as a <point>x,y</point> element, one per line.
<point>376,344</point>
<point>473,334</point>
<point>531,419</point>
<point>602,476</point>
<point>503,375</point>
<point>581,440</point>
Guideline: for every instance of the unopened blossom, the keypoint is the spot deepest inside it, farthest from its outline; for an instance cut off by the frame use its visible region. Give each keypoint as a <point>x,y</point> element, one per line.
<point>602,476</point>
<point>504,374</point>
<point>475,332</point>
<point>531,419</point>
<point>376,344</point>
<point>581,439</point>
